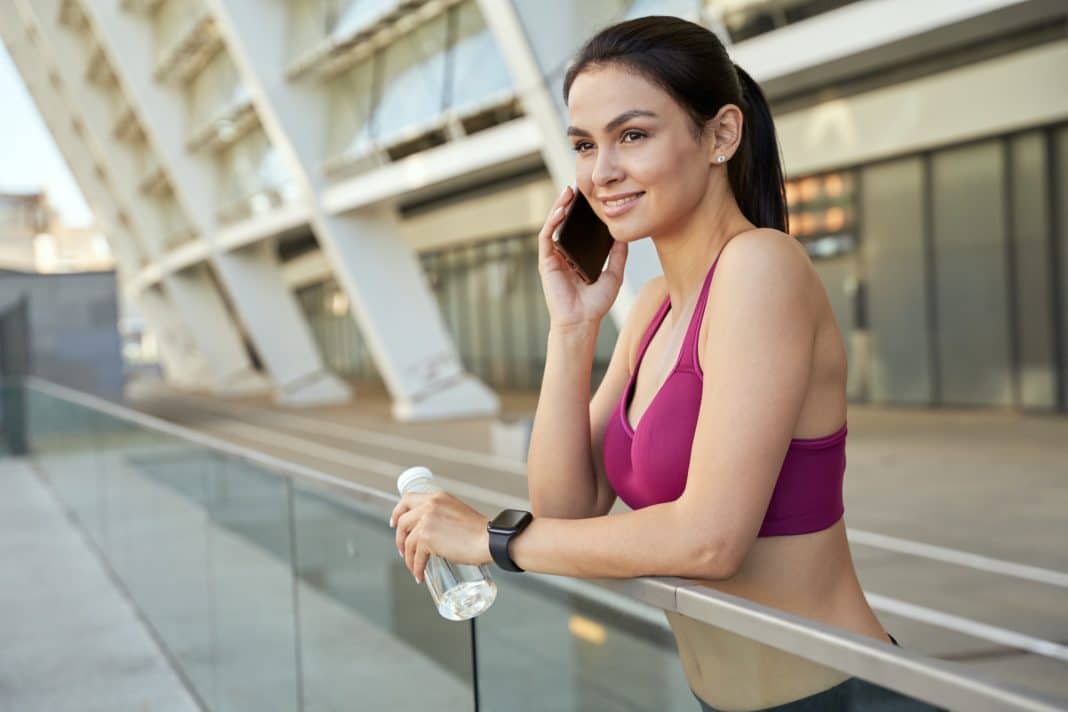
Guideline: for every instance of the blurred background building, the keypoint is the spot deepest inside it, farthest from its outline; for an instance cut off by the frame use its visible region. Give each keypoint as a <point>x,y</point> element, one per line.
<point>64,274</point>
<point>312,197</point>
<point>22,218</point>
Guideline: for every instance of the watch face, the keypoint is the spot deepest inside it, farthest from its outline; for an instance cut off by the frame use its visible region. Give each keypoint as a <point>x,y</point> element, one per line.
<point>509,519</point>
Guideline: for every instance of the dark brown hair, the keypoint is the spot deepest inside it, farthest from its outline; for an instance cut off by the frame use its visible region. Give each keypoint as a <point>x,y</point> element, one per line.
<point>690,63</point>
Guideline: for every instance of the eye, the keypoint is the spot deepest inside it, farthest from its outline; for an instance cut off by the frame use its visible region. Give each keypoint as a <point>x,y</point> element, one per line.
<point>579,147</point>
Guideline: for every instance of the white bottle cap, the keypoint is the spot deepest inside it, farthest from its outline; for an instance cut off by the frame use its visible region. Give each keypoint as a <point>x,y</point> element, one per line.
<point>411,475</point>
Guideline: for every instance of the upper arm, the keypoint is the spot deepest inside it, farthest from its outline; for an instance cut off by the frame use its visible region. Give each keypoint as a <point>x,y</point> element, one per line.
<point>615,381</point>
<point>761,318</point>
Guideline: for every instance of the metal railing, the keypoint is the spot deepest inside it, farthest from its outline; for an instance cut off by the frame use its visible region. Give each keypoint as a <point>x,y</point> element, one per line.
<point>904,671</point>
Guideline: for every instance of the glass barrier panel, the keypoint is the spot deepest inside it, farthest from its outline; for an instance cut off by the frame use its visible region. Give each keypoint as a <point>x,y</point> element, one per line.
<point>271,593</point>
<point>250,549</point>
<point>206,545</point>
<point>159,547</point>
<point>62,441</point>
<point>368,631</point>
<point>543,647</point>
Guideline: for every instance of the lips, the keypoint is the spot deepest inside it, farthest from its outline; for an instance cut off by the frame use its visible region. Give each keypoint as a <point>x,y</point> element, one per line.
<point>616,202</point>
<point>612,210</point>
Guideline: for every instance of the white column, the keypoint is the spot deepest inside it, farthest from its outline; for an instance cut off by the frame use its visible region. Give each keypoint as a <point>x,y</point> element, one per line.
<point>175,343</point>
<point>378,271</point>
<point>252,278</point>
<point>195,297</point>
<point>182,364</point>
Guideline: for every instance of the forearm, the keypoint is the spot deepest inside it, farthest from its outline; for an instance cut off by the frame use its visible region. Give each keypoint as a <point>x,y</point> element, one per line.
<point>560,476</point>
<point>646,542</point>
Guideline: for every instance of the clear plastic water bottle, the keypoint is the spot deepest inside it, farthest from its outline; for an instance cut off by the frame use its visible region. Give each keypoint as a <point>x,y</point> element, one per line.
<point>460,591</point>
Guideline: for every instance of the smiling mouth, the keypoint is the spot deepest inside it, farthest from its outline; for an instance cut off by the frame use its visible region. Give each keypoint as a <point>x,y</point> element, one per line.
<point>623,201</point>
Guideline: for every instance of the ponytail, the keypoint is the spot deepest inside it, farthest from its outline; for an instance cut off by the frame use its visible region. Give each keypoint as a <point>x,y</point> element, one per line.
<point>755,172</point>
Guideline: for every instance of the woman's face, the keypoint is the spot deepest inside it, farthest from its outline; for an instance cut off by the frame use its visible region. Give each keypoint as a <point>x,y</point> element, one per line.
<point>630,136</point>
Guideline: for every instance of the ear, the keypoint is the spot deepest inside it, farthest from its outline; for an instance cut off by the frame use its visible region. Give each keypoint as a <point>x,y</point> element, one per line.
<point>725,131</point>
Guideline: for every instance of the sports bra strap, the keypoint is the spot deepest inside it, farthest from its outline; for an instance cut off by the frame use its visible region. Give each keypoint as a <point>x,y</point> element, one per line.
<point>688,352</point>
<point>650,330</point>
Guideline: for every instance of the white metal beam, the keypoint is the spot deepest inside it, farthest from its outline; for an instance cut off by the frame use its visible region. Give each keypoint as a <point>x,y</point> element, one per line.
<point>183,364</point>
<point>192,294</point>
<point>378,271</point>
<point>833,35</point>
<point>252,278</point>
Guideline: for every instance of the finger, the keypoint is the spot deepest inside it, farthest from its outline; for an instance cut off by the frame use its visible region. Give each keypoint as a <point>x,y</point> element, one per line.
<point>617,260</point>
<point>410,545</point>
<point>556,215</point>
<point>407,502</point>
<point>400,536</point>
<point>405,524</point>
<point>422,555</point>
<point>402,507</point>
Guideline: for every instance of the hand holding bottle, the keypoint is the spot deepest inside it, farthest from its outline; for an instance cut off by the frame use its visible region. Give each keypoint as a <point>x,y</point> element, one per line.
<point>444,542</point>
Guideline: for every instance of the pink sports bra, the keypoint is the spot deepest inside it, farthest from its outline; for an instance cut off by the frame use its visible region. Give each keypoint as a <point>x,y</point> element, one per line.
<point>649,465</point>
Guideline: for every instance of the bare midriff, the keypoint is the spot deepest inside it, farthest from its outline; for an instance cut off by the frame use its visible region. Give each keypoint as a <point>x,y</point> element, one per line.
<point>809,575</point>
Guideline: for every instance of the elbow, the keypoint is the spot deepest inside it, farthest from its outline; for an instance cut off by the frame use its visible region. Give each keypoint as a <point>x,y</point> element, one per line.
<point>718,559</point>
<point>714,549</point>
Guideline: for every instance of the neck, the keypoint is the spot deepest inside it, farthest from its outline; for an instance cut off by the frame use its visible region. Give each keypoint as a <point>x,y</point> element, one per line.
<point>686,253</point>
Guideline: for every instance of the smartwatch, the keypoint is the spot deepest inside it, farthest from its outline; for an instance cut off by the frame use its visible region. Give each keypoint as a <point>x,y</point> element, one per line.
<point>504,527</point>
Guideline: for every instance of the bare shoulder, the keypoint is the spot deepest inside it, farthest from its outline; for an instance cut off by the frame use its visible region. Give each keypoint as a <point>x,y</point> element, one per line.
<point>764,281</point>
<point>767,262</point>
<point>767,247</point>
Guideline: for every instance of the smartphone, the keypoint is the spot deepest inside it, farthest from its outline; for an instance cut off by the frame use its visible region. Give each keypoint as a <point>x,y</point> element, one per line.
<point>583,240</point>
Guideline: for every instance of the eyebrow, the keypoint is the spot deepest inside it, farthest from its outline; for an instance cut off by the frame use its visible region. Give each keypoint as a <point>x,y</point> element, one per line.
<point>613,124</point>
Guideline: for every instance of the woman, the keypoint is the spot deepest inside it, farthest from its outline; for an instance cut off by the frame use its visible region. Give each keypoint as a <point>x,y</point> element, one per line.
<point>721,418</point>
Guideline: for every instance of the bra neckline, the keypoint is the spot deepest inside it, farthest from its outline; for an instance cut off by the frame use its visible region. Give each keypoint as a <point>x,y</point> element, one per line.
<point>802,443</point>
<point>632,382</point>
<point>689,341</point>
<point>650,333</point>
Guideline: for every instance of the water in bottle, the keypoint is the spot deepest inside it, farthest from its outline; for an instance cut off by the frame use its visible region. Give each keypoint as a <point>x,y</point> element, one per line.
<point>460,591</point>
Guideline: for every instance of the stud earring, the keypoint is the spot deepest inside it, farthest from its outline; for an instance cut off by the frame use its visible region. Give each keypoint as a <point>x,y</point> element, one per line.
<point>720,159</point>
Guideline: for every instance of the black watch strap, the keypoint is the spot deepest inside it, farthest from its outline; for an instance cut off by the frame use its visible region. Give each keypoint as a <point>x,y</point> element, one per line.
<point>498,544</point>
<point>501,536</point>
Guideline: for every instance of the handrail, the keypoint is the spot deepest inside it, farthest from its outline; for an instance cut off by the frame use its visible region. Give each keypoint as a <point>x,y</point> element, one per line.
<point>935,681</point>
<point>269,462</point>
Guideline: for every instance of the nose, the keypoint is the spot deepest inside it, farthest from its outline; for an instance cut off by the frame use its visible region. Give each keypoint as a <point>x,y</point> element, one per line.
<point>606,168</point>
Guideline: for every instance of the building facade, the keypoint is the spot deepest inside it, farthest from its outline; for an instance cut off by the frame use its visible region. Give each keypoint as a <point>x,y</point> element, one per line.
<point>23,216</point>
<point>307,196</point>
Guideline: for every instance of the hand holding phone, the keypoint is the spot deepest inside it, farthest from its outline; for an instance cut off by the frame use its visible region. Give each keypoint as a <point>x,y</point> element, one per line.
<point>584,240</point>
<point>570,261</point>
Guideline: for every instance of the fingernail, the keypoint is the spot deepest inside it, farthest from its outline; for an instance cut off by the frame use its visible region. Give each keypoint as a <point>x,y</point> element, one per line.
<point>564,191</point>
